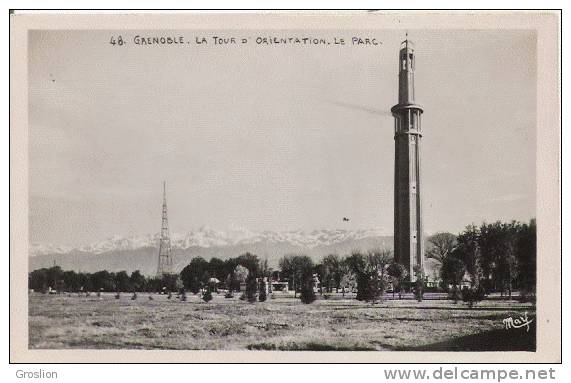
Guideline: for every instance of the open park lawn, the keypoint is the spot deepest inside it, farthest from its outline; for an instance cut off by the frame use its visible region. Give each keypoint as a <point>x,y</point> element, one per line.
<point>281,323</point>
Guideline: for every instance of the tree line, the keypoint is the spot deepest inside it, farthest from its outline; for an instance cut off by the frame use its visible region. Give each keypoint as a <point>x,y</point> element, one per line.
<point>70,281</point>
<point>496,257</point>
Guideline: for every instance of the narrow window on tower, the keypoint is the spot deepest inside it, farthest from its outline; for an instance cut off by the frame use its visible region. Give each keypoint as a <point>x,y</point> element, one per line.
<point>413,166</point>
<point>411,61</point>
<point>409,120</point>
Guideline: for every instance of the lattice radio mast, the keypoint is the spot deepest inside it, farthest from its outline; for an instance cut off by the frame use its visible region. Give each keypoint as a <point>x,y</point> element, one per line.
<point>165,256</point>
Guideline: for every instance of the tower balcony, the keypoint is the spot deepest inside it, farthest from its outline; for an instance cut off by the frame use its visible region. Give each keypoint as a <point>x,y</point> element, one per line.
<point>398,108</point>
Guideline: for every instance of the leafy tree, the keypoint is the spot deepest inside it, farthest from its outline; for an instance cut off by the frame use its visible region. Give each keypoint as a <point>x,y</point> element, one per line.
<point>85,281</point>
<point>499,259</point>
<point>251,262</point>
<point>452,270</point>
<point>362,280</point>
<point>303,266</point>
<point>370,272</point>
<point>138,281</point>
<point>440,246</point>
<point>103,280</point>
<point>264,269</point>
<point>377,264</point>
<point>527,259</point>
<point>262,296</point>
<point>251,288</point>
<point>54,275</point>
<point>230,285</point>
<point>332,263</point>
<point>358,264</point>
<point>287,268</point>
<point>154,284</point>
<point>488,241</point>
<point>323,275</point>
<point>38,280</point>
<point>195,274</point>
<point>307,295</point>
<point>217,268</point>
<point>171,282</point>
<point>71,280</point>
<point>473,295</point>
<point>507,265</point>
<point>122,281</point>
<point>398,274</point>
<point>207,295</point>
<point>241,274</point>
<point>265,273</point>
<point>295,268</point>
<point>348,279</point>
<point>356,261</point>
<point>468,250</point>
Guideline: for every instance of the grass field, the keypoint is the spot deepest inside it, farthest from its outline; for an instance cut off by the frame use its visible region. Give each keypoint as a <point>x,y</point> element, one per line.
<point>283,323</point>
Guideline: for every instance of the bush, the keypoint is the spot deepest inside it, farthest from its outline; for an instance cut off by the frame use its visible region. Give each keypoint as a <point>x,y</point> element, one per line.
<point>362,287</point>
<point>454,294</point>
<point>527,295</point>
<point>419,291</point>
<point>263,296</point>
<point>251,289</point>
<point>207,296</point>
<point>307,294</point>
<point>473,295</point>
<point>419,283</point>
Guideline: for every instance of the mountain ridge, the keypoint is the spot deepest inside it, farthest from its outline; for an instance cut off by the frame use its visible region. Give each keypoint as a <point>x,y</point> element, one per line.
<point>207,237</point>
<point>132,253</point>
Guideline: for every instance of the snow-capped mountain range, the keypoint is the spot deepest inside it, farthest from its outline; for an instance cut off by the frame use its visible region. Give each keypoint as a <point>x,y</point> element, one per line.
<point>206,237</point>
<point>140,252</point>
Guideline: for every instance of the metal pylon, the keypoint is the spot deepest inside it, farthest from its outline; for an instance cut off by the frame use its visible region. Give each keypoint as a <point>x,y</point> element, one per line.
<point>165,256</point>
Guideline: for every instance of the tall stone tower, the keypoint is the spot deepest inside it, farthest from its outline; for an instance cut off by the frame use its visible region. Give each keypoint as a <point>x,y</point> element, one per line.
<point>165,256</point>
<point>408,235</point>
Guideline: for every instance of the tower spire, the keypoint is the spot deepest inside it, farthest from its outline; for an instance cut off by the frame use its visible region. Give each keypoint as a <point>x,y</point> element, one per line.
<point>165,256</point>
<point>408,235</point>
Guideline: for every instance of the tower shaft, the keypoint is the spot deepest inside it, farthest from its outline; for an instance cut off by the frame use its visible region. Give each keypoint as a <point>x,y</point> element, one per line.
<point>165,256</point>
<point>408,232</point>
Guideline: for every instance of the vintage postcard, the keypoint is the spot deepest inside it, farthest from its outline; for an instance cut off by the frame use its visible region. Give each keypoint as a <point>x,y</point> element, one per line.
<point>286,187</point>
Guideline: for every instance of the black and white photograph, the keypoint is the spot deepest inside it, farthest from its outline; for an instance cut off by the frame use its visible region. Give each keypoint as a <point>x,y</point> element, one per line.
<point>302,188</point>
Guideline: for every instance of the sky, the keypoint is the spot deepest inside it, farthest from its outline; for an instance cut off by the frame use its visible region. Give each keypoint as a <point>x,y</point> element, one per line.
<point>276,137</point>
